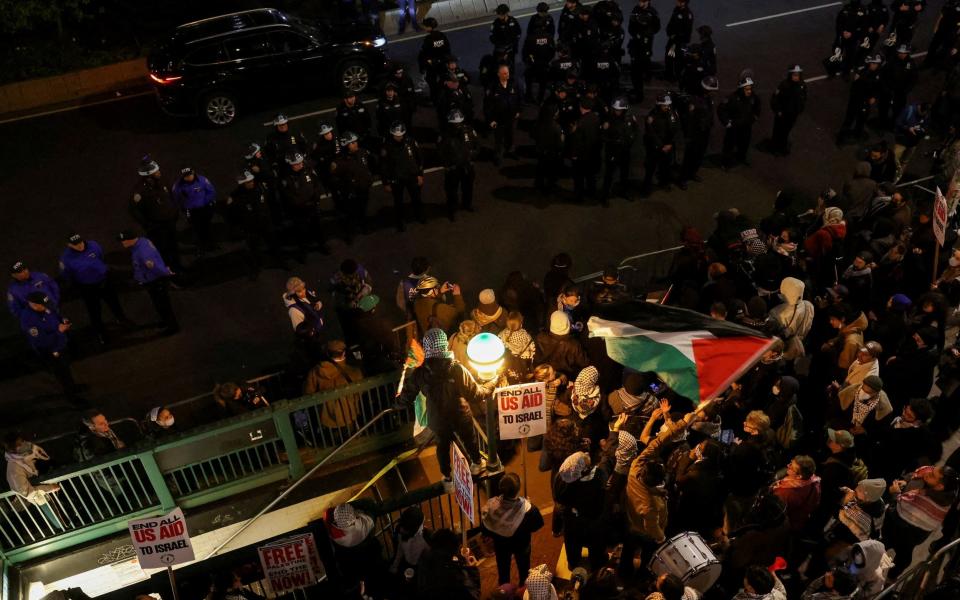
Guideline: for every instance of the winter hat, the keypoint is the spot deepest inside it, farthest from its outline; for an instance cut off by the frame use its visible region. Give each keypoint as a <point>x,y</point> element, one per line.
<point>344,516</point>
<point>559,323</point>
<point>872,489</point>
<point>832,215</point>
<point>516,341</point>
<point>874,382</point>
<point>574,467</point>
<point>411,519</point>
<point>488,302</point>
<point>626,451</point>
<point>539,586</point>
<point>901,302</point>
<point>434,343</point>
<point>842,438</point>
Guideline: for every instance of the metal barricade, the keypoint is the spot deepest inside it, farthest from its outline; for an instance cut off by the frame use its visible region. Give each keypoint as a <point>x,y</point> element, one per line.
<point>642,274</point>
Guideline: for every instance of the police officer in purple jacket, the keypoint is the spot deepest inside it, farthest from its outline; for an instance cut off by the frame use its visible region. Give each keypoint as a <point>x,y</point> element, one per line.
<point>152,273</point>
<point>196,197</point>
<point>82,265</point>
<point>46,333</point>
<point>24,281</point>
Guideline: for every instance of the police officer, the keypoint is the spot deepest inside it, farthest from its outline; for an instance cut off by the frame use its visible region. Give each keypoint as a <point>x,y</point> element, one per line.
<point>454,95</point>
<point>660,139</point>
<point>708,50</point>
<point>23,282</point>
<point>152,273</point>
<point>679,32</point>
<point>644,25</point>
<point>352,115</point>
<point>906,13</point>
<point>851,26</point>
<point>865,92</point>
<point>738,114</point>
<point>82,265</point>
<point>262,171</point>
<point>561,64</point>
<point>452,67</point>
<point>605,12</point>
<point>152,207</point>
<point>618,135</point>
<point>324,151</point>
<point>877,19</point>
<point>401,165</point>
<point>564,105</point>
<point>505,33</point>
<point>390,109</point>
<point>787,103</point>
<point>584,148</point>
<point>698,123</point>
<point>538,51</point>
<point>249,200</point>
<point>549,137</point>
<point>197,198</point>
<point>567,22</point>
<point>46,333</point>
<point>281,143</point>
<point>585,34</point>
<point>353,177</point>
<point>899,75</point>
<point>434,49</point>
<point>300,189</point>
<point>692,70</point>
<point>945,32</point>
<point>403,83</point>
<point>605,66</point>
<point>501,107</point>
<point>458,148</point>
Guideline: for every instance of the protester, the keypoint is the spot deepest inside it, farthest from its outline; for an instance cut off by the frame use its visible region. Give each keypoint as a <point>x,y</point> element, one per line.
<point>511,520</point>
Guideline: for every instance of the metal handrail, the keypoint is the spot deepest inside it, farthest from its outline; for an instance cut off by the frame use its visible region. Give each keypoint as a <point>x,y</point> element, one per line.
<point>911,570</point>
<point>623,263</point>
<point>297,483</point>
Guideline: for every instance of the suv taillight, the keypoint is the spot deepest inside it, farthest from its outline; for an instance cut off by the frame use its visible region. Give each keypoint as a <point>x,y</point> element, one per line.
<point>164,80</point>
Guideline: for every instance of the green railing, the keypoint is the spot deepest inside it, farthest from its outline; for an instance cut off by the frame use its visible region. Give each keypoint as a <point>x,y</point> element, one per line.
<point>200,466</point>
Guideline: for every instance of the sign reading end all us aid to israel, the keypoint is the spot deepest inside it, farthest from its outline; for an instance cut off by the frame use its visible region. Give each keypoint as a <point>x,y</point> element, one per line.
<point>522,410</point>
<point>161,541</point>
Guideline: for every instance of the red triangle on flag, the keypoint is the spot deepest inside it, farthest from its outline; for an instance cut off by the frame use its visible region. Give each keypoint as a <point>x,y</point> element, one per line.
<point>721,360</point>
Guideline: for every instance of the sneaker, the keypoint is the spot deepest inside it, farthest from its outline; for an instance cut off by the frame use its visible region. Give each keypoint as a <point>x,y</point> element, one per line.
<point>477,468</point>
<point>447,485</point>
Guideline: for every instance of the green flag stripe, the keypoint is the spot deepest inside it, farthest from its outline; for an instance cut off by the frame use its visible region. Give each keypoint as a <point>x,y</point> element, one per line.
<point>643,354</point>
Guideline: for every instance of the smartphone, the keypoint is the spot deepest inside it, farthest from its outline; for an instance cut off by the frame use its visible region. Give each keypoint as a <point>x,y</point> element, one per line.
<point>655,388</point>
<point>726,436</point>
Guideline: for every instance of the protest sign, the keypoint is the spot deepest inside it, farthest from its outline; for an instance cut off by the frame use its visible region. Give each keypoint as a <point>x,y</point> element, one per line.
<point>462,481</point>
<point>522,411</point>
<point>161,541</point>
<point>290,564</point>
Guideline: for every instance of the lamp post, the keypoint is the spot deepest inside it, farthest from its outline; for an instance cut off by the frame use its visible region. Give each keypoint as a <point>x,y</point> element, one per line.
<point>485,352</point>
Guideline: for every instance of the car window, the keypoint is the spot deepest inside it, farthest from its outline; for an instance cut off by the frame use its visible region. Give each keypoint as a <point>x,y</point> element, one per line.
<point>286,41</point>
<point>250,46</point>
<point>206,55</point>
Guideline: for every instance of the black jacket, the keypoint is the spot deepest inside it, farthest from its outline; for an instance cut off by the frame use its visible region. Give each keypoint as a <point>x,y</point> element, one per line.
<point>448,388</point>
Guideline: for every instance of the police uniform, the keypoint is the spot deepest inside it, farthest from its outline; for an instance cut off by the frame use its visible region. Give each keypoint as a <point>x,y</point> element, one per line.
<point>698,123</point>
<point>866,90</point>
<point>249,200</point>
<point>301,193</point>
<point>434,49</point>
<point>150,271</point>
<point>899,75</point>
<point>324,152</point>
<point>662,130</point>
<point>451,97</point>
<point>17,291</point>
<point>354,118</point>
<point>567,22</point>
<point>787,103</point>
<point>42,330</point>
<point>606,12</point>
<point>549,137</point>
<point>152,207</point>
<point>87,270</point>
<point>197,199</point>
<point>538,50</point>
<point>402,170</point>
<point>605,66</point>
<point>501,105</point>
<point>389,112</point>
<point>353,177</point>
<point>618,135</point>
<point>679,32</point>
<point>585,34</point>
<point>567,108</point>
<point>643,27</point>
<point>561,64</point>
<point>584,148</point>
<point>458,147</point>
<point>738,114</point>
<point>263,172</point>
<point>505,33</point>
<point>281,144</point>
<point>946,33</point>
<point>905,14</point>
<point>851,27</point>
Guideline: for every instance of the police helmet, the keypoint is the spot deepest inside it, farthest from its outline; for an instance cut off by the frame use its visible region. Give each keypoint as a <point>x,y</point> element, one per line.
<point>294,159</point>
<point>745,82</point>
<point>244,177</point>
<point>794,69</point>
<point>710,83</point>
<point>398,129</point>
<point>503,9</point>
<point>874,59</point>
<point>620,103</point>
<point>348,137</point>
<point>324,128</point>
<point>664,100</point>
<point>251,152</point>
<point>148,166</point>
<point>280,119</point>
<point>543,7</point>
<point>904,49</point>
<point>455,116</point>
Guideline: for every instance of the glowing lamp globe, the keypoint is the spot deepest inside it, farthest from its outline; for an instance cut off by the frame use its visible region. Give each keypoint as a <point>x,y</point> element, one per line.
<point>485,352</point>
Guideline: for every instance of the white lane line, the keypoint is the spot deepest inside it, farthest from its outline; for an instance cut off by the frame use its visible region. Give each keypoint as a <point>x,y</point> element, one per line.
<point>785,14</point>
<point>75,107</point>
<point>322,111</point>
<point>822,77</point>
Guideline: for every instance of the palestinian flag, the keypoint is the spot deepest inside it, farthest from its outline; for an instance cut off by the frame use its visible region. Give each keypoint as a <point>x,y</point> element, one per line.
<point>698,357</point>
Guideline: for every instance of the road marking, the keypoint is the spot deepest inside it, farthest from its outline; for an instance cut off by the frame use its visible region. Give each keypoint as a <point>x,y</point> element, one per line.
<point>76,107</point>
<point>822,77</point>
<point>785,14</point>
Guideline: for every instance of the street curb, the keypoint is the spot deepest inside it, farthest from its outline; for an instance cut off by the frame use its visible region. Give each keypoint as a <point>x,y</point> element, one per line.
<point>71,87</point>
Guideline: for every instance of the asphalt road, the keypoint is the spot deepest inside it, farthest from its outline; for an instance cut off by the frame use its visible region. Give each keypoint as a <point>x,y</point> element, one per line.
<point>74,170</point>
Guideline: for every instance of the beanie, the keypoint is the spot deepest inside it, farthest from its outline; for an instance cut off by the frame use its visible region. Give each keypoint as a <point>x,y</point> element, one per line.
<point>874,382</point>
<point>872,489</point>
<point>559,323</point>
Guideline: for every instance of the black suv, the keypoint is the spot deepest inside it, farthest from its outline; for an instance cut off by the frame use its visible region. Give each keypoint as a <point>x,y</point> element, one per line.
<point>215,66</point>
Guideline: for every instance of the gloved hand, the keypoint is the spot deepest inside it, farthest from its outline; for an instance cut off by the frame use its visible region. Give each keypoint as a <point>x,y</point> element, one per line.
<point>865,44</point>
<point>837,55</point>
<point>891,39</point>
<point>672,52</point>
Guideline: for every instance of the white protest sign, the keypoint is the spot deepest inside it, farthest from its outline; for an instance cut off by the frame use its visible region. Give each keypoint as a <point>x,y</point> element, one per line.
<point>522,411</point>
<point>940,217</point>
<point>161,541</point>
<point>290,564</point>
<point>462,481</point>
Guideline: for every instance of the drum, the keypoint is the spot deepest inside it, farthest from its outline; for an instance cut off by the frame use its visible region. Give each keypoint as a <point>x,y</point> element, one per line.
<point>687,556</point>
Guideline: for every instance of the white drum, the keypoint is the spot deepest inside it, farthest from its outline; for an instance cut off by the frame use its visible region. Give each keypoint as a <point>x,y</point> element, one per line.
<point>687,556</point>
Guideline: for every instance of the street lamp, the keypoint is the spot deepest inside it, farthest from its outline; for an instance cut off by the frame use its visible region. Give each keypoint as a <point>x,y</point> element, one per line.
<point>485,353</point>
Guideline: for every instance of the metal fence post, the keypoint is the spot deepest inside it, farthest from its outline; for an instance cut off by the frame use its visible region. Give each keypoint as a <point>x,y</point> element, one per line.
<point>493,437</point>
<point>281,418</point>
<point>159,484</point>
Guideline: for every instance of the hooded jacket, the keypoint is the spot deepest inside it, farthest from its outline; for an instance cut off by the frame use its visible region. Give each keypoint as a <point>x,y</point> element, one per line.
<point>446,314</point>
<point>328,375</point>
<point>821,242</point>
<point>646,506</point>
<point>795,316</point>
<point>858,371</point>
<point>21,468</point>
<point>448,388</point>
<point>858,191</point>
<point>848,395</point>
<point>564,353</point>
<point>848,341</point>
<point>872,575</point>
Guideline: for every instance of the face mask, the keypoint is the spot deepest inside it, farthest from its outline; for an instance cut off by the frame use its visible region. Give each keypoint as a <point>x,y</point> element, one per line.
<point>776,390</point>
<point>954,262</point>
<point>862,395</point>
<point>25,448</point>
<point>166,424</point>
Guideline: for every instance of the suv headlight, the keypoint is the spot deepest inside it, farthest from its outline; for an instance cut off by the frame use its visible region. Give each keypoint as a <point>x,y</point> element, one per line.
<point>379,42</point>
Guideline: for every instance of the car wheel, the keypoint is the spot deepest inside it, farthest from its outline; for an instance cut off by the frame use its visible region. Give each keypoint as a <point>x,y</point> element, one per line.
<point>354,76</point>
<point>219,109</point>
